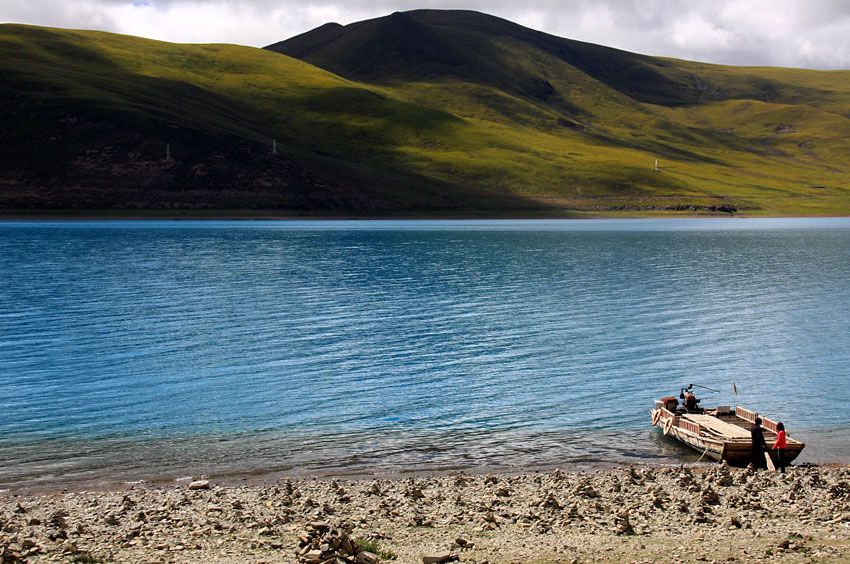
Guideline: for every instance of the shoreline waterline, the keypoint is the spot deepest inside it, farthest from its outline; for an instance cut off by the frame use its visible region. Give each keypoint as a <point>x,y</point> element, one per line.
<point>268,477</point>
<point>822,449</point>
<point>271,215</point>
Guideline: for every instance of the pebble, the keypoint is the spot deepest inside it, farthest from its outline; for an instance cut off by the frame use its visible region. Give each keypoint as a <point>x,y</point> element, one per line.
<point>439,558</point>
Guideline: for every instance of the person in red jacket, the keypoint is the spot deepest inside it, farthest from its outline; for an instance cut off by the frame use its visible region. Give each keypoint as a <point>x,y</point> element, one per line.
<point>779,447</point>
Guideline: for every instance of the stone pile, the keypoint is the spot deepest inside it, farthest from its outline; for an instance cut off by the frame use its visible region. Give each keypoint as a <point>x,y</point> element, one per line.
<point>323,544</point>
<point>14,553</point>
<point>622,524</point>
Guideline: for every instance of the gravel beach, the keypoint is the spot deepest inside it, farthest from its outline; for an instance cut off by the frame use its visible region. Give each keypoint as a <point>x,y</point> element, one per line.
<point>627,514</point>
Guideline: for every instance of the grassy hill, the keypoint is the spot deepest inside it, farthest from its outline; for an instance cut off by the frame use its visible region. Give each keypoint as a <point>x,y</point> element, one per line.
<point>88,117</point>
<point>418,113</point>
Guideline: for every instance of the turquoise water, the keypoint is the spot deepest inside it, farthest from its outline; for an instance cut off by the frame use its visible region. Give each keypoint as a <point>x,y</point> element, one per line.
<point>147,350</point>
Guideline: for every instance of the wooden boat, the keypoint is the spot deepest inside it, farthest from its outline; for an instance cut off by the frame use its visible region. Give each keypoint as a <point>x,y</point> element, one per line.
<point>719,434</point>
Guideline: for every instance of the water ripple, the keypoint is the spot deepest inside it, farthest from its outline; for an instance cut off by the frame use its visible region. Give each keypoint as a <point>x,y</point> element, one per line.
<point>147,349</point>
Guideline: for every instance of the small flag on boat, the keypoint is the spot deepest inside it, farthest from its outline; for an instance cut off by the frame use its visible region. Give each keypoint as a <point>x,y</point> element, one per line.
<point>734,388</point>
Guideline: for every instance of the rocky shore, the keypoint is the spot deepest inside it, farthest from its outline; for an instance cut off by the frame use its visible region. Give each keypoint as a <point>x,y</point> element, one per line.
<point>630,514</point>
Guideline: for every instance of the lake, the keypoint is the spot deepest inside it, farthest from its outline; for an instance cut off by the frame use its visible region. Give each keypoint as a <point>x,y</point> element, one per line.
<point>151,350</point>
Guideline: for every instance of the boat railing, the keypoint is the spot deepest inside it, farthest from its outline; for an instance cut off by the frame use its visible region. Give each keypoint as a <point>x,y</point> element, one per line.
<point>750,416</point>
<point>666,413</point>
<point>680,422</point>
<point>745,414</point>
<point>690,426</point>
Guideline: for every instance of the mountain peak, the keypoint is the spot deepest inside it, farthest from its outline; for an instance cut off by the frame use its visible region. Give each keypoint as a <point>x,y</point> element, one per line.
<point>429,44</point>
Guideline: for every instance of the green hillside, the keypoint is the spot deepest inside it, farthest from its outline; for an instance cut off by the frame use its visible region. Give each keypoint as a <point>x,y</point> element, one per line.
<point>418,113</point>
<point>88,117</point>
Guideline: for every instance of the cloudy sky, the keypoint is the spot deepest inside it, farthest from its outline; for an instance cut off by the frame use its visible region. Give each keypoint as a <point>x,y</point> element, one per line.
<point>799,33</point>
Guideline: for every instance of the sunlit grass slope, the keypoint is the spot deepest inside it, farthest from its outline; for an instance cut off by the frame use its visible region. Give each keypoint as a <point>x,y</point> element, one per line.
<point>426,112</point>
<point>581,125</point>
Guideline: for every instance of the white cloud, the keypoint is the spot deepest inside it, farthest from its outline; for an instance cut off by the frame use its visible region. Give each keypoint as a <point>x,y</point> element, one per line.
<point>190,22</point>
<point>766,19</point>
<point>696,32</point>
<point>810,33</point>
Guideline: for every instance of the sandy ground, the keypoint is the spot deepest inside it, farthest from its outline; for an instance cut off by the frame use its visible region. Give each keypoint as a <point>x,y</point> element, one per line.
<point>628,514</point>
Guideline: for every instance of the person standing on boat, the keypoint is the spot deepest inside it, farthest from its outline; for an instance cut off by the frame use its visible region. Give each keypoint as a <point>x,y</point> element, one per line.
<point>779,447</point>
<point>759,445</point>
